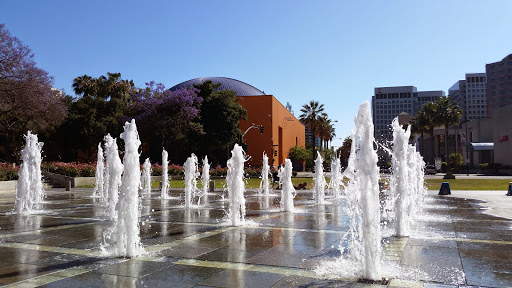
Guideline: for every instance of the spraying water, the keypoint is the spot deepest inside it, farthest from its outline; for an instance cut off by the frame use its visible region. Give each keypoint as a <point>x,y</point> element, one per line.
<point>265,171</point>
<point>319,180</point>
<point>146,178</point>
<point>113,172</point>
<point>100,171</point>
<point>29,189</point>
<point>205,176</point>
<point>124,234</point>
<point>336,178</point>
<point>191,173</point>
<point>165,176</point>
<point>236,186</point>
<point>362,194</point>
<point>400,187</point>
<point>285,181</point>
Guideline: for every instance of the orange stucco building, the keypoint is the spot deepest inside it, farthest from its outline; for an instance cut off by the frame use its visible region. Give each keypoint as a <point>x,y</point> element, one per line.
<point>281,130</point>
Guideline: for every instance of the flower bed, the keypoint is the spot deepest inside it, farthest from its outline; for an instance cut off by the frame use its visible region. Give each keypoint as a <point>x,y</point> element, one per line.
<point>72,169</point>
<point>8,172</point>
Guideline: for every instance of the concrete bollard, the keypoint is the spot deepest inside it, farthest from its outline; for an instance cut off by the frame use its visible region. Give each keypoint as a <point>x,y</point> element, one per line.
<point>212,186</point>
<point>68,183</point>
<point>445,189</point>
<point>509,189</point>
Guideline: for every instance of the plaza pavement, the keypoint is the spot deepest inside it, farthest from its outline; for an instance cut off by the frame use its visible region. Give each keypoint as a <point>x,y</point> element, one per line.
<point>461,240</point>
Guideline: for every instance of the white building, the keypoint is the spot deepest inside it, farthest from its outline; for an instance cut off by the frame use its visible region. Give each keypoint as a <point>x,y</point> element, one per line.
<point>470,94</point>
<point>389,102</point>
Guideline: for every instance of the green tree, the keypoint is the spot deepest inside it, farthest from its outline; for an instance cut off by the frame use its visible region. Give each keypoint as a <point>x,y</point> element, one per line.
<point>27,99</point>
<point>419,126</point>
<point>311,116</point>
<point>220,116</point>
<point>101,109</point>
<point>447,113</point>
<point>325,131</point>
<point>344,151</point>
<point>298,155</point>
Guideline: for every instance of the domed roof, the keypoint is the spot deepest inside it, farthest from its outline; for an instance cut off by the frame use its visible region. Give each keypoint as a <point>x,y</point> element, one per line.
<point>241,88</point>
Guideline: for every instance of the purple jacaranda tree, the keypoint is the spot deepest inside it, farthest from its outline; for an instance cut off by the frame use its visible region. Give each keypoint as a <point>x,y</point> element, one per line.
<point>27,99</point>
<point>170,118</point>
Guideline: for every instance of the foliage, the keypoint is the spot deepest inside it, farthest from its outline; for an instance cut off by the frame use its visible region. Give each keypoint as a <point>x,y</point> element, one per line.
<point>27,100</point>
<point>456,160</point>
<point>447,113</point>
<point>328,157</point>
<point>298,153</point>
<point>101,109</point>
<point>167,118</point>
<point>483,166</point>
<point>72,169</point>
<point>220,116</point>
<point>325,131</point>
<point>8,172</point>
<point>311,115</point>
<point>344,151</point>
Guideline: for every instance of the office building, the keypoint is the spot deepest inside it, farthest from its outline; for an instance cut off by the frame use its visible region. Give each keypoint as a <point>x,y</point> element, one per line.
<point>470,95</point>
<point>499,84</point>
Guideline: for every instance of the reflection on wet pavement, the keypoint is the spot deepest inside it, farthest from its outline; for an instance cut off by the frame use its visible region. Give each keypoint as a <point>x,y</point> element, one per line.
<point>453,244</point>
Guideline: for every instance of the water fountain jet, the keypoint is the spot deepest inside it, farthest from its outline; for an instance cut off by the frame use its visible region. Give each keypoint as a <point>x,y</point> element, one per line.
<point>124,234</point>
<point>236,186</point>
<point>29,188</point>
<point>287,190</point>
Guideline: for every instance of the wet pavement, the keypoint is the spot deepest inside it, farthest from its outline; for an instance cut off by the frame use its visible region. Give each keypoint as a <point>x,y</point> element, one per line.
<point>456,243</point>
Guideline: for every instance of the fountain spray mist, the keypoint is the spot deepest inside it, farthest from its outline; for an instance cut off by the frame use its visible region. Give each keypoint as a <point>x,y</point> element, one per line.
<point>29,188</point>
<point>205,176</point>
<point>113,172</point>
<point>124,234</point>
<point>265,171</point>
<point>146,178</point>
<point>400,184</point>
<point>191,173</point>
<point>362,194</point>
<point>236,186</point>
<point>319,180</point>
<point>288,191</point>
<point>100,171</point>
<point>165,176</point>
<point>336,178</point>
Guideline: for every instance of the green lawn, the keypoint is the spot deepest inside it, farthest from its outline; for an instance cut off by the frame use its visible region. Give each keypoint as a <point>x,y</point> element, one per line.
<point>432,184</point>
<point>250,183</point>
<point>469,184</point>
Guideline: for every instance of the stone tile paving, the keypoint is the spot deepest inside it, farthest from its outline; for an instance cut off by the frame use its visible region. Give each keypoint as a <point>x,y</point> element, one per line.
<point>454,244</point>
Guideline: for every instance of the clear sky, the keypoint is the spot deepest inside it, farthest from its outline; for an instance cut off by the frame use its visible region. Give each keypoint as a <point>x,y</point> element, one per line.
<point>334,52</point>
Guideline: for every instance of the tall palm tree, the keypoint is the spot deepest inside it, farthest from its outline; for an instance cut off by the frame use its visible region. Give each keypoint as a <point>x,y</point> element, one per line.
<point>419,127</point>
<point>311,114</point>
<point>431,121</point>
<point>324,130</point>
<point>448,113</point>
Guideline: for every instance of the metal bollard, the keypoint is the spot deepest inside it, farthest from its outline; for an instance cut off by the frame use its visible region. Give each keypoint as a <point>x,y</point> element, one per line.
<point>212,186</point>
<point>68,184</point>
<point>445,189</point>
<point>509,189</point>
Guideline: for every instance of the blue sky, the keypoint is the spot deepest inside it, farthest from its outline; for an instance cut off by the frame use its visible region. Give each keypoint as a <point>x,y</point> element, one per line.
<point>334,52</point>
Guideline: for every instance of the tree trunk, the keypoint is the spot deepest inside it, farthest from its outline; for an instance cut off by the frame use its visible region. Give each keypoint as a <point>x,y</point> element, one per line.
<point>313,131</point>
<point>432,148</point>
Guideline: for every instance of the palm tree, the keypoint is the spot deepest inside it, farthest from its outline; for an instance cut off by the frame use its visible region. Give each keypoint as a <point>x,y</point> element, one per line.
<point>325,129</point>
<point>430,122</point>
<point>448,113</point>
<point>419,126</point>
<point>311,114</point>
